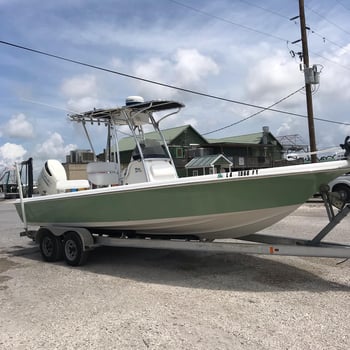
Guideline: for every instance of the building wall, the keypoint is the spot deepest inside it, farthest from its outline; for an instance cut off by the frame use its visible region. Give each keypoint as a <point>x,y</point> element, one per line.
<point>75,171</point>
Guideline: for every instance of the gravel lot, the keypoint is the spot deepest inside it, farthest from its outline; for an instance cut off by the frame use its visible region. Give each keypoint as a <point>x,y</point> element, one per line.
<point>150,299</point>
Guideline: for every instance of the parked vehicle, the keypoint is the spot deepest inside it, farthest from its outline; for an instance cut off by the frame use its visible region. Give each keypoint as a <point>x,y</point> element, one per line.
<point>341,185</point>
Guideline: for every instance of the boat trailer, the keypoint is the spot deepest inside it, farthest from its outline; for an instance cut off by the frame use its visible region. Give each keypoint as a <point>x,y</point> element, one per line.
<point>74,243</point>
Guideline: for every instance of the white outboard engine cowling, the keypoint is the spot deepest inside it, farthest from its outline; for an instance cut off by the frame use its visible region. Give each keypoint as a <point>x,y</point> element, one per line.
<point>53,179</point>
<point>52,172</point>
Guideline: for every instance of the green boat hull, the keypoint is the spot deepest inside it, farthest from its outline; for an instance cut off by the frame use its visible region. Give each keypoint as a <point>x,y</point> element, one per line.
<point>215,206</point>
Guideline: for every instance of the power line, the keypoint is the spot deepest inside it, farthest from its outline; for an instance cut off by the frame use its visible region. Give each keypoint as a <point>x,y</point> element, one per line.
<point>254,114</point>
<point>340,3</point>
<point>323,57</point>
<point>252,29</point>
<point>327,20</point>
<point>342,47</point>
<point>198,93</point>
<point>323,37</point>
<point>265,9</point>
<point>141,79</point>
<point>326,39</point>
<point>227,20</point>
<point>329,60</point>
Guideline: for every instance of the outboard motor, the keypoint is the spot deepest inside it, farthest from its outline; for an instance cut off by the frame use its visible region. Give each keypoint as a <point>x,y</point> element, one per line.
<point>53,180</point>
<point>52,172</point>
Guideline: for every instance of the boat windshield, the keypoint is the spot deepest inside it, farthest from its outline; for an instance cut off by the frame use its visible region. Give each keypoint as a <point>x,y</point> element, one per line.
<point>150,149</point>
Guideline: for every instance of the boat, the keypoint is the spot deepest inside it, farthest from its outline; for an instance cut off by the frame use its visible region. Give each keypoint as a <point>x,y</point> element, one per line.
<point>147,199</point>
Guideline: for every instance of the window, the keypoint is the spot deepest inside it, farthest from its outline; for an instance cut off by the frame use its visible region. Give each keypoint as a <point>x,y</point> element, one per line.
<point>179,153</point>
<point>194,172</point>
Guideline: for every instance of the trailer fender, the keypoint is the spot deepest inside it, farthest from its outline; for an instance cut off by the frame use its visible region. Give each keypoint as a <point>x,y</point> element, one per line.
<point>84,234</point>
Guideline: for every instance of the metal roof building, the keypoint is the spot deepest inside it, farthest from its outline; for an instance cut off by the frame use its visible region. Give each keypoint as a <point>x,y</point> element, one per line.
<point>215,163</point>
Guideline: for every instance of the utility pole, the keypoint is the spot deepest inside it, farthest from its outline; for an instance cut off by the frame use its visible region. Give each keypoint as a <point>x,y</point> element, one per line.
<point>310,112</point>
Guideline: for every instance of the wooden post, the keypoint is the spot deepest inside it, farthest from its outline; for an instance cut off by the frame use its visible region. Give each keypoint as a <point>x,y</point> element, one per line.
<point>310,112</point>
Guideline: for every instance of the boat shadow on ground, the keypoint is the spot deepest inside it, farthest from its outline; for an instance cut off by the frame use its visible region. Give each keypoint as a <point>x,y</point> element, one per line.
<point>207,270</point>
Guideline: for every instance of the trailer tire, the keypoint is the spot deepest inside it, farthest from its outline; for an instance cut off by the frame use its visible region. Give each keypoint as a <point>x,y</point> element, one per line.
<point>51,247</point>
<point>343,191</point>
<point>73,250</point>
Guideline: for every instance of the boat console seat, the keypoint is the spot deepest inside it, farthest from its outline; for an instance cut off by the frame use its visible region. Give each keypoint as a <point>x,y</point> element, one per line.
<point>103,173</point>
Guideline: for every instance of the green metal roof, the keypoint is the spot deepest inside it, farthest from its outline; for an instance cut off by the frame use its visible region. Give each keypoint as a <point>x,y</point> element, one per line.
<point>208,161</point>
<point>249,138</point>
<point>255,139</point>
<point>128,143</point>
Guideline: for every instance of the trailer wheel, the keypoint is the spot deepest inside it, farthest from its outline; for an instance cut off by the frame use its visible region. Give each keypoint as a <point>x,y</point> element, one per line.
<point>73,251</point>
<point>51,247</point>
<point>344,192</point>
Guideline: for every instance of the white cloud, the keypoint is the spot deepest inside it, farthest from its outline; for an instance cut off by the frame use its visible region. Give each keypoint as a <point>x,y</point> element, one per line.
<point>288,127</point>
<point>53,148</point>
<point>11,153</point>
<point>273,77</point>
<point>192,66</point>
<point>344,130</point>
<point>333,81</point>
<point>82,104</point>
<point>81,92</point>
<point>188,68</point>
<point>19,126</point>
<point>191,121</point>
<point>116,63</point>
<point>79,86</point>
<point>156,69</point>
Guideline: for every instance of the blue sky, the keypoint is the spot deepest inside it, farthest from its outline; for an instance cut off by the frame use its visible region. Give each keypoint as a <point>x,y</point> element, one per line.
<point>239,50</point>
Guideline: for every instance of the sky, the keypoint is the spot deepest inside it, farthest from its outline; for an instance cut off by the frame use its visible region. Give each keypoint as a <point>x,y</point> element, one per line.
<point>236,50</point>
